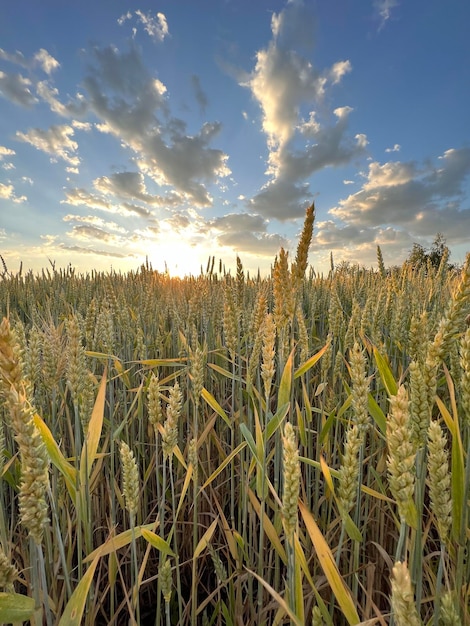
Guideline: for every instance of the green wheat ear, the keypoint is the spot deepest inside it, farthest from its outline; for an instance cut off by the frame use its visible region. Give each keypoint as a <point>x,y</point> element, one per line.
<point>290,494</point>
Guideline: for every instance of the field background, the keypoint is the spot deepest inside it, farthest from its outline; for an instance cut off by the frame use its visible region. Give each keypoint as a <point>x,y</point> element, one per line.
<point>236,450</point>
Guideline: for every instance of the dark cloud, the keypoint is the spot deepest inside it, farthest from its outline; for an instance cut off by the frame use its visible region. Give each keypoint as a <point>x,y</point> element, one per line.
<point>199,94</point>
<point>88,231</point>
<point>408,195</point>
<point>281,199</point>
<point>245,232</point>
<point>131,105</point>
<point>17,88</point>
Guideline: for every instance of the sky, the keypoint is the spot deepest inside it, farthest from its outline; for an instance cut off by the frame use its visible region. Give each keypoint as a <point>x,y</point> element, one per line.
<point>176,130</point>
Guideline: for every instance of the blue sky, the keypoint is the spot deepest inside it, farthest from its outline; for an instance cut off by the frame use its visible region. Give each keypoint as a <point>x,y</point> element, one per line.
<point>176,130</point>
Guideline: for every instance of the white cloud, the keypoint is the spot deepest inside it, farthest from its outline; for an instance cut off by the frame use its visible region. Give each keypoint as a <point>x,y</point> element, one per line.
<point>124,17</point>
<point>280,81</point>
<point>6,152</point>
<point>338,70</point>
<point>50,95</point>
<point>6,191</point>
<point>396,148</point>
<point>85,126</point>
<point>46,61</point>
<point>56,141</point>
<point>156,26</point>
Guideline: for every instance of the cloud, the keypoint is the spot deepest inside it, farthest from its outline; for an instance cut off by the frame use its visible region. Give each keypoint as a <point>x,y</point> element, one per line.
<point>82,197</point>
<point>178,222</point>
<point>281,199</point>
<point>283,82</point>
<point>7,192</point>
<point>396,148</point>
<point>137,210</point>
<point>359,245</point>
<point>280,81</point>
<point>16,57</point>
<point>424,199</point>
<point>16,88</point>
<point>294,26</point>
<point>156,26</point>
<point>129,103</point>
<point>125,185</point>
<point>331,146</point>
<point>94,251</point>
<point>6,152</point>
<point>283,79</point>
<point>94,220</point>
<point>287,194</point>
<point>246,233</point>
<point>42,58</point>
<point>338,70</point>
<point>88,231</point>
<point>383,9</point>
<point>46,61</point>
<point>55,141</point>
<point>199,94</point>
<point>50,95</point>
<point>85,126</point>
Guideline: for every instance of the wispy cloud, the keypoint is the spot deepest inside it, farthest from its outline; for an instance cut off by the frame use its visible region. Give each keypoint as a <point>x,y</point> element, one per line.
<point>42,58</point>
<point>7,192</point>
<point>199,94</point>
<point>17,88</point>
<point>156,26</point>
<point>383,9</point>
<point>46,61</point>
<point>55,141</point>
<point>6,152</point>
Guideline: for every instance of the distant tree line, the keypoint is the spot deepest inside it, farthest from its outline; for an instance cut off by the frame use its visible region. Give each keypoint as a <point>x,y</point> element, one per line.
<point>436,255</point>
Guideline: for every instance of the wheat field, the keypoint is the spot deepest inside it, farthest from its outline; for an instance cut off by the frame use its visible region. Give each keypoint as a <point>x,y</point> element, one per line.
<point>230,450</point>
